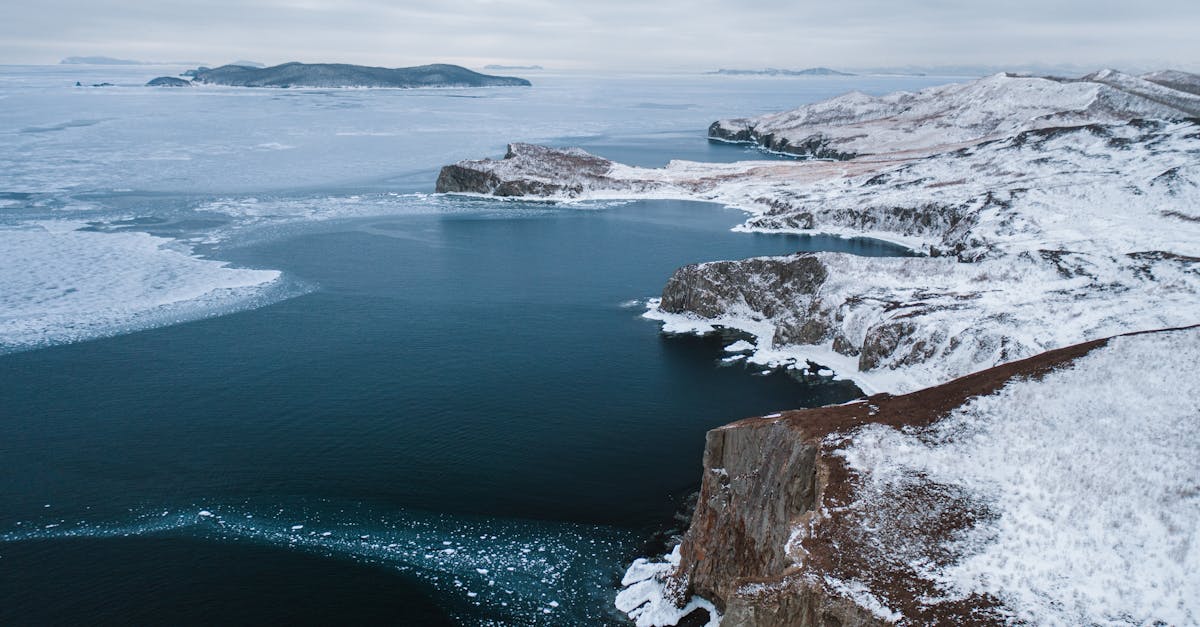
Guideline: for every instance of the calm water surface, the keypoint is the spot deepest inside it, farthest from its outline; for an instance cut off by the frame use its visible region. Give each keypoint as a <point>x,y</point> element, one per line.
<point>461,418</point>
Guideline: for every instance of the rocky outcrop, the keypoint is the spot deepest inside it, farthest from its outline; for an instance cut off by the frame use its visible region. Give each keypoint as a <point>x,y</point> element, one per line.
<point>768,285</point>
<point>787,533</point>
<point>168,81</point>
<point>814,146</point>
<point>343,75</point>
<point>532,170</point>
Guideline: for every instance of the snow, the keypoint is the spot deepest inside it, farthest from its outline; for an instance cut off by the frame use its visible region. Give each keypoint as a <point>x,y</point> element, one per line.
<point>1063,237</point>
<point>643,596</point>
<point>1050,219</point>
<point>964,316</point>
<point>862,597</point>
<point>997,106</point>
<point>1093,474</point>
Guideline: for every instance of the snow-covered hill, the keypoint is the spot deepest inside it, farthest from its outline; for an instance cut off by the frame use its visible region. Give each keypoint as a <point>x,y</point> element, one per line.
<point>933,119</point>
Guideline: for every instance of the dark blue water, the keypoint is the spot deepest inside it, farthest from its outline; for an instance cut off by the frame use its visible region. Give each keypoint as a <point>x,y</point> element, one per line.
<point>464,419</point>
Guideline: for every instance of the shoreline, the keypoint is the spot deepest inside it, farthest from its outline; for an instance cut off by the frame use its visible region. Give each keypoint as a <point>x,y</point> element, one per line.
<point>1045,237</point>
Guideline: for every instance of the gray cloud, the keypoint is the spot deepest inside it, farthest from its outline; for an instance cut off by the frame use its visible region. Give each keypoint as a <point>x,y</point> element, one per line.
<point>615,34</point>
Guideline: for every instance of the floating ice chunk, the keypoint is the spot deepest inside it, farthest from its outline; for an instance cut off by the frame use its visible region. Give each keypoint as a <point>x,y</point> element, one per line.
<point>740,346</point>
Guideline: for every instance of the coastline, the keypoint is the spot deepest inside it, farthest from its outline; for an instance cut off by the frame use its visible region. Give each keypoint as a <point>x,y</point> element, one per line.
<point>1044,238</point>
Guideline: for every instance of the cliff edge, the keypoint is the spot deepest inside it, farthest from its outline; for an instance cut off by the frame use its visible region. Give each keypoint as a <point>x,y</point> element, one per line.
<point>994,498</point>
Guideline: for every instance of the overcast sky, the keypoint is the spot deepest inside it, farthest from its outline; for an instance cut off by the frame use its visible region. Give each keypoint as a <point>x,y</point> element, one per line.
<point>614,34</point>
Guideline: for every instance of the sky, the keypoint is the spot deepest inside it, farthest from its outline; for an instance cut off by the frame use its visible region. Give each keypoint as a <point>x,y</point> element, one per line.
<point>616,34</point>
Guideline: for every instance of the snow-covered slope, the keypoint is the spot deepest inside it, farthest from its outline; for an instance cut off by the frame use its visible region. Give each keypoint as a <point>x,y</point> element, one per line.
<point>1087,481</point>
<point>1041,240</point>
<point>938,117</point>
<point>1056,490</point>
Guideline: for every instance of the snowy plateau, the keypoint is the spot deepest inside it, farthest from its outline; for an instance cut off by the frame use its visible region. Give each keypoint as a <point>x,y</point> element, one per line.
<point>979,481</point>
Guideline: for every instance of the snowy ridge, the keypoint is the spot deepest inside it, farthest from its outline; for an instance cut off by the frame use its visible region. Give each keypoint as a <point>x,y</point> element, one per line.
<point>997,106</point>
<point>1090,478</point>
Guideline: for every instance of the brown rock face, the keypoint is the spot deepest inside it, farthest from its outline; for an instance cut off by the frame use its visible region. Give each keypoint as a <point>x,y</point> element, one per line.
<point>770,286</point>
<point>776,524</point>
<point>758,479</point>
<point>815,146</point>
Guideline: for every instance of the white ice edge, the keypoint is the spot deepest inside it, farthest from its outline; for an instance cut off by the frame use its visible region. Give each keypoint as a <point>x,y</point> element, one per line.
<point>76,285</point>
<point>643,596</point>
<point>764,354</point>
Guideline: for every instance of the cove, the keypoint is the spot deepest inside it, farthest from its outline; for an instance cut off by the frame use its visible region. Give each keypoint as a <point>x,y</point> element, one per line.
<point>481,363</point>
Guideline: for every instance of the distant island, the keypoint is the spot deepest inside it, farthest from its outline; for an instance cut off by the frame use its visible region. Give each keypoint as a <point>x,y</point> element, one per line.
<point>98,61</point>
<point>812,71</point>
<point>509,68</point>
<point>342,75</point>
<point>249,64</point>
<point>169,81</point>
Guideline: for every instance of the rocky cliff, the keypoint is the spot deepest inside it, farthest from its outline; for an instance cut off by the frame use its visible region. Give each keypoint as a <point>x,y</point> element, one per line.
<point>792,529</point>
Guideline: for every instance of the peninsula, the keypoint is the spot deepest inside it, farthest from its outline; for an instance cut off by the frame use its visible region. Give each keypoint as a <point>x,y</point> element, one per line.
<point>1045,329</point>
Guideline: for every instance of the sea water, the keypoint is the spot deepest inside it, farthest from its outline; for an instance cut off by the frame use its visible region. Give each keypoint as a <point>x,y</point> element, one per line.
<point>252,369</point>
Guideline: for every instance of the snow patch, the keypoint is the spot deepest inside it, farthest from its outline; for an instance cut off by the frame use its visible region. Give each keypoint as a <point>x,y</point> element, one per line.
<point>1094,475</point>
